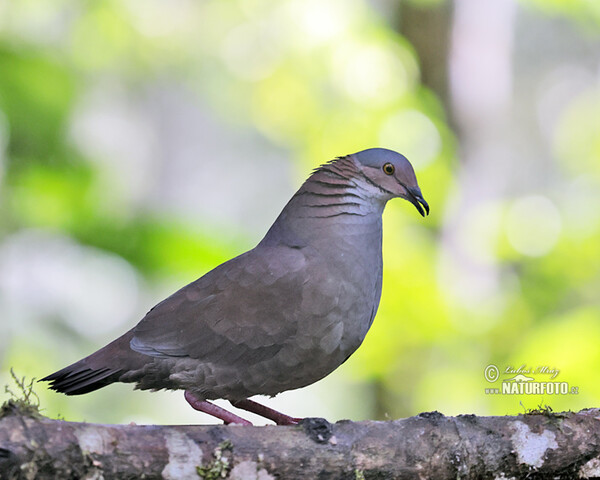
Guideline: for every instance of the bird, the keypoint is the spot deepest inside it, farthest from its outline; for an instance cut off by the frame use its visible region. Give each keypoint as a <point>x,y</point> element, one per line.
<point>278,317</point>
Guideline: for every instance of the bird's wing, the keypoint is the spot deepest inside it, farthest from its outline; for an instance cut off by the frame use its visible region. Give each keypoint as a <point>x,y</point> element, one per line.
<point>244,310</point>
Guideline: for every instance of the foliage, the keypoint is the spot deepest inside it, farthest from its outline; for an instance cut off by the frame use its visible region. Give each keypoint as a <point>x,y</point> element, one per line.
<point>585,12</point>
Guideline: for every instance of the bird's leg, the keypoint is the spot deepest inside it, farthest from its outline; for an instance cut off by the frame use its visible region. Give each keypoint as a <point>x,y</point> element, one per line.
<point>214,410</point>
<point>278,417</point>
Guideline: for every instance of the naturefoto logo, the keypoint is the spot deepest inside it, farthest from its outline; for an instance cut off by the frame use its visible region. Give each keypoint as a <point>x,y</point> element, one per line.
<point>526,380</point>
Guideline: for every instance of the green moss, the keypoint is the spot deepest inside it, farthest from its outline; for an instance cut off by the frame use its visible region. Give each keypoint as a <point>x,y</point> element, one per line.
<point>545,410</point>
<point>25,401</point>
<point>219,467</point>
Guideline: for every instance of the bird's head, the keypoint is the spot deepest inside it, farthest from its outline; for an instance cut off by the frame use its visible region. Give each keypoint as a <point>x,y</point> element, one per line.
<point>393,174</point>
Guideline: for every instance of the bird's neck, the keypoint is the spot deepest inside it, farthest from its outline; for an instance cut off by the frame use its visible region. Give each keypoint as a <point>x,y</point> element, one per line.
<point>333,205</point>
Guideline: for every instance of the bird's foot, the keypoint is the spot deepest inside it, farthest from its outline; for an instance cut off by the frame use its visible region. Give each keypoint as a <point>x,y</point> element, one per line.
<point>254,407</point>
<point>214,410</point>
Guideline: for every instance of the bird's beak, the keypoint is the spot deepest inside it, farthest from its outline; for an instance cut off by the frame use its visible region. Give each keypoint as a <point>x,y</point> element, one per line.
<point>416,198</point>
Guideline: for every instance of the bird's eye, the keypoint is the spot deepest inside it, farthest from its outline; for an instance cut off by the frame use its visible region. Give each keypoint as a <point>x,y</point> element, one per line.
<point>388,169</point>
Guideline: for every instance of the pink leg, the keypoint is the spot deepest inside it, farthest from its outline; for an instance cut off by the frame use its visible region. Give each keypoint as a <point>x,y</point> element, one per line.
<point>278,417</point>
<point>214,410</point>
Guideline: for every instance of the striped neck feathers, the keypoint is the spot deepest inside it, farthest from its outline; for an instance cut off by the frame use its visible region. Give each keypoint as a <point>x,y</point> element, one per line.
<point>338,188</point>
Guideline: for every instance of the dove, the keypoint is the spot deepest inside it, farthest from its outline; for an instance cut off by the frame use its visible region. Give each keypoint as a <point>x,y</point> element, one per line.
<point>279,317</point>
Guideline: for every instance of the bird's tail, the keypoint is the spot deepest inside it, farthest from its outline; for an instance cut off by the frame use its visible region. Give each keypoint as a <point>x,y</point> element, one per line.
<point>78,379</point>
<point>101,368</point>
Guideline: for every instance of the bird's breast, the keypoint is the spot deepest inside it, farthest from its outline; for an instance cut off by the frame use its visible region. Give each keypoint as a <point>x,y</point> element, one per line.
<point>352,276</point>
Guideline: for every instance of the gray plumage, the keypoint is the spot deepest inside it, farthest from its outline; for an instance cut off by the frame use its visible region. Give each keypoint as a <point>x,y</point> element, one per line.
<point>280,316</point>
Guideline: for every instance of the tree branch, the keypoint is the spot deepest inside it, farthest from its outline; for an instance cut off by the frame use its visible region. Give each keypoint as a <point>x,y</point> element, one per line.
<point>430,445</point>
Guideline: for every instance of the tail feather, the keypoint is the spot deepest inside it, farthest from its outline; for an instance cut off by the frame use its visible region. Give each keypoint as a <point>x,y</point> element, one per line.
<point>101,368</point>
<point>78,379</point>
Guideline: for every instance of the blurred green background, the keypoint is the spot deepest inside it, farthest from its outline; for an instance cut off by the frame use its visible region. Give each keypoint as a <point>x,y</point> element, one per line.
<point>144,142</point>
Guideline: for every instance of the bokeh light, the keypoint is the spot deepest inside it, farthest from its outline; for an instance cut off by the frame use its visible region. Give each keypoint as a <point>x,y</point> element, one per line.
<point>533,225</point>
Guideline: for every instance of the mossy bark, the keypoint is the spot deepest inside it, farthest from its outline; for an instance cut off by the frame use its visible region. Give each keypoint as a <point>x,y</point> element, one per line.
<point>430,445</point>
